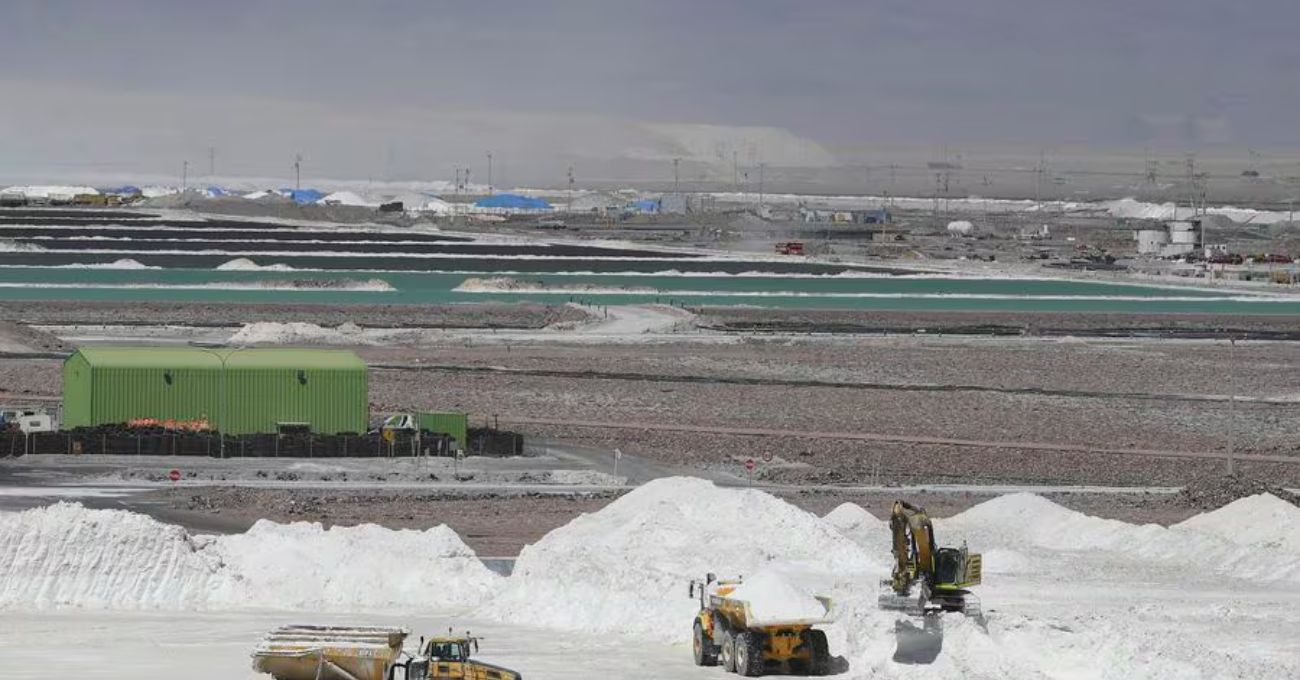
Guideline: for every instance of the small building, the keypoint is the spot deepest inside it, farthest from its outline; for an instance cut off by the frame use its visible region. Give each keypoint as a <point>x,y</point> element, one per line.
<point>1171,239</point>
<point>239,391</point>
<point>674,204</point>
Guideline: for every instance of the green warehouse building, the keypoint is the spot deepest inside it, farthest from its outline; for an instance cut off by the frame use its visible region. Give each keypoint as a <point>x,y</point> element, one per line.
<point>326,389</point>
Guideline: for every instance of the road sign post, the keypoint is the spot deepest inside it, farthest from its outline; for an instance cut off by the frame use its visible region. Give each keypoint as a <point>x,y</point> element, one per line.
<point>749,468</point>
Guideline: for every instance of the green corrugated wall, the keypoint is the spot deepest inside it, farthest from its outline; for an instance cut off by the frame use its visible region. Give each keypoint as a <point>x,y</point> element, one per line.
<point>329,389</point>
<point>76,391</point>
<point>451,423</point>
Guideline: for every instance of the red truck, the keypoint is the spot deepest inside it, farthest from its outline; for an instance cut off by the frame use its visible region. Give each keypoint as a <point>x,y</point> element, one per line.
<point>790,248</point>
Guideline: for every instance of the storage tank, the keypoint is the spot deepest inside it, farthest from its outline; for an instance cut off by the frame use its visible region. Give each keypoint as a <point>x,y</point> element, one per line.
<point>1183,232</point>
<point>327,389</point>
<point>1150,241</point>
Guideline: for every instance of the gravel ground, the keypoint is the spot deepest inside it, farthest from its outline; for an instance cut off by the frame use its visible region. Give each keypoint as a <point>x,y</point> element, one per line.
<point>1045,323</point>
<point>486,315</point>
<point>826,461</point>
<point>1105,393</point>
<point>494,525</point>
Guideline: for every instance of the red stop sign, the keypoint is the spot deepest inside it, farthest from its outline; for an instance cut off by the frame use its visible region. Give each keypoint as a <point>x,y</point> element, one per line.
<point>749,464</point>
<point>174,475</point>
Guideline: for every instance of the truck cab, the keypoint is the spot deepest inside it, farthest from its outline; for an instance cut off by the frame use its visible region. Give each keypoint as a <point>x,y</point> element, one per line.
<point>448,658</point>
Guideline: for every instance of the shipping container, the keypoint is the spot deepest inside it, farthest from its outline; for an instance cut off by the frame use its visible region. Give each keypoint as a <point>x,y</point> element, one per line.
<point>451,423</point>
<point>327,389</point>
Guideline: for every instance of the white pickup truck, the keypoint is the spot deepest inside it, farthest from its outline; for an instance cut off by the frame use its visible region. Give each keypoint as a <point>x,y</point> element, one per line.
<point>26,421</point>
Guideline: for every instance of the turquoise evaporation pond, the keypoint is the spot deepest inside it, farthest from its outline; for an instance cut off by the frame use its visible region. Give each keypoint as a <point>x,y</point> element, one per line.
<point>824,292</point>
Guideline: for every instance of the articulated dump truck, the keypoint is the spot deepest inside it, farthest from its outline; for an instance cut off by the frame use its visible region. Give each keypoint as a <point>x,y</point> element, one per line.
<point>370,653</point>
<point>728,631</point>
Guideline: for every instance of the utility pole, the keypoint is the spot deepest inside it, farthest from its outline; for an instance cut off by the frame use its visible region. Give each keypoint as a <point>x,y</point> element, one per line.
<point>297,172</point>
<point>735,171</point>
<point>570,189</point>
<point>1232,407</point>
<point>490,190</point>
<point>1038,179</point>
<point>676,161</point>
<point>212,161</point>
<point>185,172</point>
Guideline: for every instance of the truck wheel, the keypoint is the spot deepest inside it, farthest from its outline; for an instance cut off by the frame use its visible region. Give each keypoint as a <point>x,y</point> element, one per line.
<point>821,652</point>
<point>705,654</point>
<point>728,651</point>
<point>749,655</point>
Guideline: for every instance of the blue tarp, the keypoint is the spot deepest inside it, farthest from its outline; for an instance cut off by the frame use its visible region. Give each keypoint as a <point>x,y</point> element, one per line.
<point>302,195</point>
<point>125,190</point>
<point>217,192</point>
<point>513,201</point>
<point>647,205</point>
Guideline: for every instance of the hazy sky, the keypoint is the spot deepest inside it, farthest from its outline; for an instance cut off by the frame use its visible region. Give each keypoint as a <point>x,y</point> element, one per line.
<point>380,86</point>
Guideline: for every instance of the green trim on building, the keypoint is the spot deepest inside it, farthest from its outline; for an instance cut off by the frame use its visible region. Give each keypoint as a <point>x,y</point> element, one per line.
<point>328,389</point>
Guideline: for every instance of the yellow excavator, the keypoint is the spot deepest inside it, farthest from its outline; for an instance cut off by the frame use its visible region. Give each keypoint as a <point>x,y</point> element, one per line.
<point>927,579</point>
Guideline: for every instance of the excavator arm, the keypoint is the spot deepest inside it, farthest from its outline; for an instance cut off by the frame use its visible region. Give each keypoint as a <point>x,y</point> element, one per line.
<point>943,574</point>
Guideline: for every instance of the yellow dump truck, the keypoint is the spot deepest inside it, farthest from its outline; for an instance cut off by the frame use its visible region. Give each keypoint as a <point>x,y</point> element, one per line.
<point>370,653</point>
<point>729,630</point>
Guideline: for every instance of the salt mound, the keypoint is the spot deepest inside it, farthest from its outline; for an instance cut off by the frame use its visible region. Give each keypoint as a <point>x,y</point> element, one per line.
<point>8,246</point>
<point>436,206</point>
<point>506,284</point>
<point>1021,521</point>
<point>346,198</point>
<point>243,264</point>
<point>121,263</point>
<point>304,566</point>
<point>1132,208</point>
<point>861,526</point>
<point>626,568</point>
<point>774,597</point>
<point>274,332</point>
<point>66,555</point>
<point>54,192</point>
<point>1262,520</point>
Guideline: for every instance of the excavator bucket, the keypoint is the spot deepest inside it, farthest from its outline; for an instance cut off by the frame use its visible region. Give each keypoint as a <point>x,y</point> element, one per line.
<point>918,604</point>
<point>891,600</point>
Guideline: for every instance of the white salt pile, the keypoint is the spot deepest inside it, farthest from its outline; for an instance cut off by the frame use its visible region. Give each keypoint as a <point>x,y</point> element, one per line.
<point>1022,521</point>
<point>861,526</point>
<point>626,568</point>
<point>67,555</point>
<point>774,597</point>
<point>243,264</point>
<point>1263,520</point>
<point>274,332</point>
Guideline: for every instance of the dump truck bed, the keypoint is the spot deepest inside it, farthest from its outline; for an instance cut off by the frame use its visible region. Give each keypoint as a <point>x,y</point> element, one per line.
<point>770,599</point>
<point>329,652</point>
<point>816,612</point>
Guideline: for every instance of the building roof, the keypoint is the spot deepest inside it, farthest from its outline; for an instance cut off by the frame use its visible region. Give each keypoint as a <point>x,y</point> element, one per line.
<point>512,201</point>
<point>202,357</point>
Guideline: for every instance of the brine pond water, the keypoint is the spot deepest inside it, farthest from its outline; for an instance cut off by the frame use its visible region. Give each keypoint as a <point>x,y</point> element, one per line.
<point>510,283</point>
